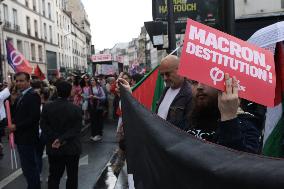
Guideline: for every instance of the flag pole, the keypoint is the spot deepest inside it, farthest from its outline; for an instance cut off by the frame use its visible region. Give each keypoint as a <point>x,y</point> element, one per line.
<point>173,52</point>
<point>11,136</point>
<point>1,65</point>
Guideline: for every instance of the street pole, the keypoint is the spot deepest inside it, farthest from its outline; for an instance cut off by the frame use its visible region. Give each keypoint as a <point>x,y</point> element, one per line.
<point>1,60</point>
<point>228,16</point>
<point>171,27</point>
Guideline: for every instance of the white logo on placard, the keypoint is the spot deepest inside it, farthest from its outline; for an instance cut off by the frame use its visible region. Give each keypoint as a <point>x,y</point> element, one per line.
<point>16,57</point>
<point>216,75</point>
<point>241,88</point>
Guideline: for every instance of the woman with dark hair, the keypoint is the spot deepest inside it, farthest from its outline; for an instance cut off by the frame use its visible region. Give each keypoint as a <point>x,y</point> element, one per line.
<point>97,109</point>
<point>37,85</point>
<point>76,92</point>
<point>86,92</point>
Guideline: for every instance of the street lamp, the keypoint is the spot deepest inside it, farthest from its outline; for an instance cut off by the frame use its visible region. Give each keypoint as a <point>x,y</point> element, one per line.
<point>171,27</point>
<point>1,63</point>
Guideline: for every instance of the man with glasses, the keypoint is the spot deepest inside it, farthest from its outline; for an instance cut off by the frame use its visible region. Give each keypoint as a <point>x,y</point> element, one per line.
<point>175,102</point>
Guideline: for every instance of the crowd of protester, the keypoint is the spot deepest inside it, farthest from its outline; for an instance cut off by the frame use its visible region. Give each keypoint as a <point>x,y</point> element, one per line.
<point>36,129</point>
<point>189,105</point>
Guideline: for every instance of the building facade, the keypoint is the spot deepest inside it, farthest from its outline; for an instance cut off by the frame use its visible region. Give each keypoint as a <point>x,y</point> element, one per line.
<point>23,27</point>
<point>80,19</point>
<point>71,42</point>
<point>46,34</point>
<point>258,8</point>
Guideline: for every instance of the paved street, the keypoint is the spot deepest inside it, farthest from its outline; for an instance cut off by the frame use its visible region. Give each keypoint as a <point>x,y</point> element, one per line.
<point>93,161</point>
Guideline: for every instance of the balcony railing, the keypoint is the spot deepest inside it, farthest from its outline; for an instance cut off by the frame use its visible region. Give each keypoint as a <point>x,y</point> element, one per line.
<point>17,28</point>
<point>7,25</point>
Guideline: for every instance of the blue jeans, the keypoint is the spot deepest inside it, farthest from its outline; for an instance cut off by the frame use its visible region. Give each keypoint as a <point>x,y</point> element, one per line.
<point>29,163</point>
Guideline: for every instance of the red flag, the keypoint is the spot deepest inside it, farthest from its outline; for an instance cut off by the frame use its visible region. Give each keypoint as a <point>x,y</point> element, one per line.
<point>16,60</point>
<point>38,73</point>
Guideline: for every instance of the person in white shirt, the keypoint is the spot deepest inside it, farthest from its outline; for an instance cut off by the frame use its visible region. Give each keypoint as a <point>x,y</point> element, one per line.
<point>175,103</point>
<point>4,94</point>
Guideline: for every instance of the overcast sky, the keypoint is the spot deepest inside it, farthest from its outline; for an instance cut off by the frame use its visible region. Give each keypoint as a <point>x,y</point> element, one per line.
<point>115,21</point>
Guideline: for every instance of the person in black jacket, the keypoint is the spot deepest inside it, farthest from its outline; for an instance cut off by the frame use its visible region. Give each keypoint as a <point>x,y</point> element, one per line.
<point>25,123</point>
<point>61,121</point>
<point>216,117</point>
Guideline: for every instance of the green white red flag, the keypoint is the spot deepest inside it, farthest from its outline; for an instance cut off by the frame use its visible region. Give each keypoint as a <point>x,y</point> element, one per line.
<point>274,124</point>
<point>149,89</point>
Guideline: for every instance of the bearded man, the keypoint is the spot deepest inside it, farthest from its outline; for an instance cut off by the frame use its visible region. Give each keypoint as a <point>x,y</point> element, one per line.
<point>216,117</point>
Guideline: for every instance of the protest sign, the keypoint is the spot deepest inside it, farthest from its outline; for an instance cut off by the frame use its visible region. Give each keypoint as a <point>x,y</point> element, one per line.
<point>101,57</point>
<point>208,54</point>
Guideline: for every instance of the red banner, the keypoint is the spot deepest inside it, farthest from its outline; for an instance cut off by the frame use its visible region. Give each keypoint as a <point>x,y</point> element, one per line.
<point>208,54</point>
<point>101,57</point>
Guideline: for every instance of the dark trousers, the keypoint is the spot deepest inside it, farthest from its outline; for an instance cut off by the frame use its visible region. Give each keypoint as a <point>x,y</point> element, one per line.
<point>40,148</point>
<point>29,163</point>
<point>57,166</point>
<point>97,122</point>
<point>3,124</point>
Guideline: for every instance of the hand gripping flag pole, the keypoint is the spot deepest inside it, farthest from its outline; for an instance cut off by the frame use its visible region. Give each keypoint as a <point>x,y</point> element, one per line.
<point>11,137</point>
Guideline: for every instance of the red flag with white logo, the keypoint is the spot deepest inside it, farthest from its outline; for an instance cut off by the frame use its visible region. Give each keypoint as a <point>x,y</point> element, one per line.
<point>16,60</point>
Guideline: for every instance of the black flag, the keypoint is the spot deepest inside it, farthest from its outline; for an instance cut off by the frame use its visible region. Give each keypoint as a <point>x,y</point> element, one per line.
<point>160,156</point>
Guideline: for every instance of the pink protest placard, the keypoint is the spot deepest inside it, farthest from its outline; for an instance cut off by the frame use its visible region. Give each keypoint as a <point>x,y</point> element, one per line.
<point>209,53</point>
